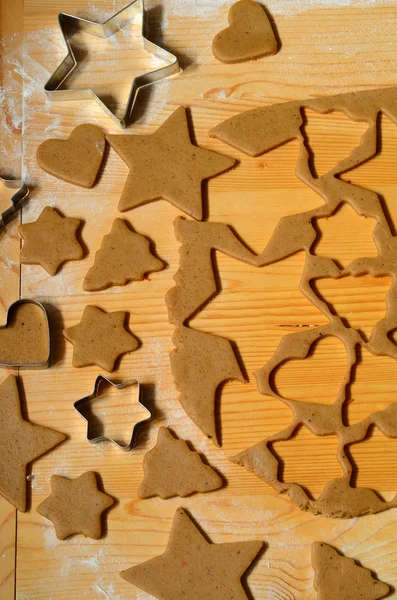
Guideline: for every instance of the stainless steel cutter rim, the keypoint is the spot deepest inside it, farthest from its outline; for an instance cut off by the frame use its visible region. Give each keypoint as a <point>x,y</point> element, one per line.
<point>21,192</point>
<point>46,363</point>
<point>105,30</point>
<point>94,394</point>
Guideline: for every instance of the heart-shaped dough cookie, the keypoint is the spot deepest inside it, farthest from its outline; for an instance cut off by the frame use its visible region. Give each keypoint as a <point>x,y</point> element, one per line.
<point>76,160</point>
<point>25,339</point>
<point>249,35</point>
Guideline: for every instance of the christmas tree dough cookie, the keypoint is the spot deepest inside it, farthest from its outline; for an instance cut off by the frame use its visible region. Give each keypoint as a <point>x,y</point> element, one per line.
<point>340,578</point>
<point>123,256</point>
<point>100,338</point>
<point>172,469</point>
<point>21,442</point>
<point>192,568</point>
<point>76,160</point>
<point>249,35</point>
<point>167,165</point>
<point>50,241</point>
<point>76,506</point>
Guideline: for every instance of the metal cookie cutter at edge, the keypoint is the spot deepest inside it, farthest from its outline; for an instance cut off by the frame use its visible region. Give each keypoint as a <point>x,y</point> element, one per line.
<point>119,386</point>
<point>21,191</point>
<point>46,363</point>
<point>69,24</point>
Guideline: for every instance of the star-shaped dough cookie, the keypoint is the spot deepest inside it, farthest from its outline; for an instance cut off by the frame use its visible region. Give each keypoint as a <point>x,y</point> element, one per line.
<point>192,568</point>
<point>75,506</point>
<point>21,442</point>
<point>124,256</point>
<point>167,165</point>
<point>100,338</point>
<point>50,241</point>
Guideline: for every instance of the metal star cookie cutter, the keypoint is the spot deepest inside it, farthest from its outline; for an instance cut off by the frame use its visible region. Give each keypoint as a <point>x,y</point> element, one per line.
<point>87,399</point>
<point>70,24</point>
<point>42,365</point>
<point>21,191</point>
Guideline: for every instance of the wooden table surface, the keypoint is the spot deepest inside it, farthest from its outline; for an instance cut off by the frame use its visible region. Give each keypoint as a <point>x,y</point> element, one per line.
<point>324,51</point>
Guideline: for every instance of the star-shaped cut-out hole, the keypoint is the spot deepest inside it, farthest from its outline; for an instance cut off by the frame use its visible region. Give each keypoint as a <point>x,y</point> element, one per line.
<point>359,301</point>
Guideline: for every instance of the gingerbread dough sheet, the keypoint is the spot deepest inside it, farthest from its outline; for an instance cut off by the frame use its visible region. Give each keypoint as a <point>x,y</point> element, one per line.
<point>25,339</point>
<point>249,35</point>
<point>255,132</point>
<point>172,469</point>
<point>340,578</point>
<point>21,442</point>
<point>192,568</point>
<point>76,160</point>
<point>123,256</point>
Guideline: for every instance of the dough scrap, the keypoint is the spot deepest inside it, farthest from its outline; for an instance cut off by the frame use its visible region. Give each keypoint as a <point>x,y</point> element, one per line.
<point>24,340</point>
<point>340,578</point>
<point>172,469</point>
<point>249,35</point>
<point>201,361</point>
<point>192,568</point>
<point>21,442</point>
<point>123,256</point>
<point>50,241</point>
<point>167,165</point>
<point>76,506</point>
<point>260,130</point>
<point>76,160</point>
<point>100,338</point>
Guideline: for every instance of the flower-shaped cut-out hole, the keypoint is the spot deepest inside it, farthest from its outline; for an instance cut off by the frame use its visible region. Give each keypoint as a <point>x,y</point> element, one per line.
<point>359,301</point>
<point>307,380</point>
<point>330,138</point>
<point>308,460</point>
<point>345,236</point>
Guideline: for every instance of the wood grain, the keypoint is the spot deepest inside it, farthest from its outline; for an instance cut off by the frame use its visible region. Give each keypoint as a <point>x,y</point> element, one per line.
<point>323,51</point>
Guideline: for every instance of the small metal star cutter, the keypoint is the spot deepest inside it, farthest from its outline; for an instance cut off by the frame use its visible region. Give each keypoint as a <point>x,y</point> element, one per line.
<point>79,404</point>
<point>69,24</point>
<point>13,191</point>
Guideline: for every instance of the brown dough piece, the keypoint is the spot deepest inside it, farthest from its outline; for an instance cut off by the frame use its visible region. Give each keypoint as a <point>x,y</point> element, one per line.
<point>192,568</point>
<point>249,35</point>
<point>50,241</point>
<point>172,469</point>
<point>100,338</point>
<point>123,256</point>
<point>340,578</point>
<point>25,338</point>
<point>260,130</point>
<point>167,165</point>
<point>21,442</point>
<point>76,160</point>
<point>76,506</point>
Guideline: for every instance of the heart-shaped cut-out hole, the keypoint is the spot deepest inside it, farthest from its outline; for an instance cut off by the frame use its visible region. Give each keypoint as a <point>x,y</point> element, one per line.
<point>76,160</point>
<point>249,35</point>
<point>25,339</point>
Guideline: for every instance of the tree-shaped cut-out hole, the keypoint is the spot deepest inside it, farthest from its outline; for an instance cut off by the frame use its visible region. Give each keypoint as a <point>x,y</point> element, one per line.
<point>359,301</point>
<point>331,137</point>
<point>308,460</point>
<point>379,173</point>
<point>317,378</point>
<point>368,394</point>
<point>345,236</point>
<point>375,463</point>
